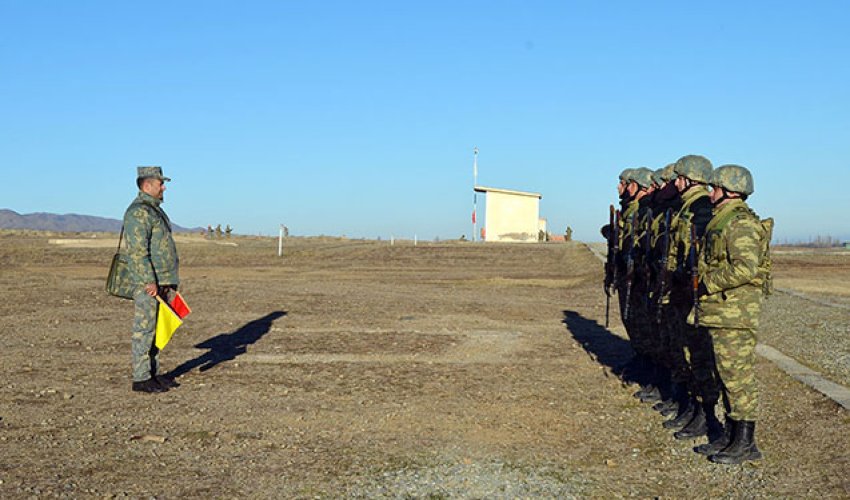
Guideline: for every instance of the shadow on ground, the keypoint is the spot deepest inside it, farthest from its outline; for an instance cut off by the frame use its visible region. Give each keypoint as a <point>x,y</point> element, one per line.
<point>227,346</point>
<point>604,346</point>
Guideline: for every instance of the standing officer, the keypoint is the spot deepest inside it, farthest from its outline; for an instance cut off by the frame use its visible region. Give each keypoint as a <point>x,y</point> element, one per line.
<point>153,266</point>
<point>734,273</point>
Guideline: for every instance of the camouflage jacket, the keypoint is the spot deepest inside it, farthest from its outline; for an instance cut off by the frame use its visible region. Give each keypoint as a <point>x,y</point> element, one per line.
<point>696,208</point>
<point>626,228</point>
<point>729,267</point>
<point>150,246</point>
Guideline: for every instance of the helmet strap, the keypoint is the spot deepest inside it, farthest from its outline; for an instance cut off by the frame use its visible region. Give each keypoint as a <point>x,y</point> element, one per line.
<point>723,197</point>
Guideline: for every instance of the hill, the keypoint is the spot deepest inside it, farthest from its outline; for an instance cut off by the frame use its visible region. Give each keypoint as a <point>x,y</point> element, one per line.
<point>41,221</point>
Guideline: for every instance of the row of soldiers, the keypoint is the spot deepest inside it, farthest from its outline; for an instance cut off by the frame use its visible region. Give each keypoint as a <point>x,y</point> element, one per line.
<point>217,231</point>
<point>690,263</point>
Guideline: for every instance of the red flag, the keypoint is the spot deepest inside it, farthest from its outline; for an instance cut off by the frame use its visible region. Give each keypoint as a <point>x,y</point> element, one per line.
<point>473,216</point>
<point>180,307</point>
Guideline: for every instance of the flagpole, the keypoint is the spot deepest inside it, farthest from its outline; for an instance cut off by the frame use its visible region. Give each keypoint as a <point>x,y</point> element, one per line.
<point>474,194</point>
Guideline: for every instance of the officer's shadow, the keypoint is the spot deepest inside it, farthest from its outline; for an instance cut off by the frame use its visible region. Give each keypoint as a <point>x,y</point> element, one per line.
<point>604,346</point>
<point>227,346</point>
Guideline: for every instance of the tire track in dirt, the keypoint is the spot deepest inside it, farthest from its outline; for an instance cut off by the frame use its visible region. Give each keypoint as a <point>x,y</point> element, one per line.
<point>476,347</point>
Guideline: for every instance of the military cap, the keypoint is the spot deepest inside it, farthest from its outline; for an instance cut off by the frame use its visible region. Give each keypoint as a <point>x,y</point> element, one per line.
<point>733,178</point>
<point>151,171</point>
<point>694,167</point>
<point>642,176</point>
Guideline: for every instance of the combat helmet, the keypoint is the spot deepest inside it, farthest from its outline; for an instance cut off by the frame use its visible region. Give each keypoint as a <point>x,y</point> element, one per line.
<point>694,167</point>
<point>733,178</point>
<point>624,175</point>
<point>664,174</point>
<point>642,176</point>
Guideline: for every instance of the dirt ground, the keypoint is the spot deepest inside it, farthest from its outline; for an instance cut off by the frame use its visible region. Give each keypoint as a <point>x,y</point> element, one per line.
<point>344,362</point>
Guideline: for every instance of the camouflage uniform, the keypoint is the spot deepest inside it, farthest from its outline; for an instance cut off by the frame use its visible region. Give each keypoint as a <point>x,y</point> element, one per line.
<point>690,353</point>
<point>733,279</point>
<point>152,257</point>
<point>628,220</point>
<point>641,320</point>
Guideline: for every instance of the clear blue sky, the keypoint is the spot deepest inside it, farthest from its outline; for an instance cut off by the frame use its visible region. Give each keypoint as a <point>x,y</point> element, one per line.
<point>360,118</point>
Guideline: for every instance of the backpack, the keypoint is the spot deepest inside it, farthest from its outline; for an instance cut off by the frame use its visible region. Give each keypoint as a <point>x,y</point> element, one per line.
<point>765,267</point>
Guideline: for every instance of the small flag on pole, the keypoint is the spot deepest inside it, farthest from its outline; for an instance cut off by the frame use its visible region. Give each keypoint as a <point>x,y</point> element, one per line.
<point>167,321</point>
<point>180,307</point>
<point>473,216</point>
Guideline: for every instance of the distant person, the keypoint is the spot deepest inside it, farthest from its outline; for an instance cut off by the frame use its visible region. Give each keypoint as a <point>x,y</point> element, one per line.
<point>568,235</point>
<point>153,266</point>
<point>209,231</point>
<point>218,231</point>
<point>228,230</point>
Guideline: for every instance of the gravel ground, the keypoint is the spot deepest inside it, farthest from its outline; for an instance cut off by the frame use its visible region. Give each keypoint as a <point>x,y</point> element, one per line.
<point>816,335</point>
<point>469,480</point>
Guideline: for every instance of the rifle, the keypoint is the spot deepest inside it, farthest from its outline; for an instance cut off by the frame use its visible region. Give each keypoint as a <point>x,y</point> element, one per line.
<point>647,254</point>
<point>630,268</point>
<point>611,261</point>
<point>663,273</point>
<point>692,257</point>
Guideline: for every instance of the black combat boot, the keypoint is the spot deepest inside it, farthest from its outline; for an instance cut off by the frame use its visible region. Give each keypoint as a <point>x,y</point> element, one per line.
<point>742,448</point>
<point>697,427</point>
<point>150,386</point>
<point>686,413</point>
<point>670,404</point>
<point>167,382</point>
<point>651,395</point>
<point>722,440</point>
<point>667,405</point>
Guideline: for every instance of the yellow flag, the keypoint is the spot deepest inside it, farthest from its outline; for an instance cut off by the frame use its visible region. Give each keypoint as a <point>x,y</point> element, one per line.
<point>167,321</point>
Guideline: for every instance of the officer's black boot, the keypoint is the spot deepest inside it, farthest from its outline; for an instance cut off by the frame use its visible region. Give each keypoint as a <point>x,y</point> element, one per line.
<point>686,413</point>
<point>167,382</point>
<point>698,426</point>
<point>150,385</point>
<point>742,448</point>
<point>721,440</point>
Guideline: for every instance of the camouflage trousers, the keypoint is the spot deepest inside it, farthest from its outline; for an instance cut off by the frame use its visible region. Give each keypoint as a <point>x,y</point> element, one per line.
<point>735,350</point>
<point>145,353</point>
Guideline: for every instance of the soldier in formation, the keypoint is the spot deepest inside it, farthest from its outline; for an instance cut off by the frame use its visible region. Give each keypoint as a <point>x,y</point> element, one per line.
<point>691,268</point>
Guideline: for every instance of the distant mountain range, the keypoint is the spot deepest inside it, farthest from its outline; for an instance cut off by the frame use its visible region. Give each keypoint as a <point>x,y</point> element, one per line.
<point>71,223</point>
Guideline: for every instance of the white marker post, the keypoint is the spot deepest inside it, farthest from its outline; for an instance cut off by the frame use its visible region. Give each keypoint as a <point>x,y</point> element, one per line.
<point>280,242</point>
<point>474,194</point>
